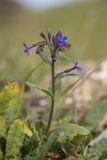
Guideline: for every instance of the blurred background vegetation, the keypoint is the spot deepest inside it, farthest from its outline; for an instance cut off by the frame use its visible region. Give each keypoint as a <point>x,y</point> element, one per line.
<point>84,22</point>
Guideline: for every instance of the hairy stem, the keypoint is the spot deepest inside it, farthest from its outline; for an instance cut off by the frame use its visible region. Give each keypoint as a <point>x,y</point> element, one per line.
<point>52,99</point>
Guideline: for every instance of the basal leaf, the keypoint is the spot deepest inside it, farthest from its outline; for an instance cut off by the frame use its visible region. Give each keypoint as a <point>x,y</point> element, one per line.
<point>69,136</point>
<point>15,138</point>
<point>8,93</point>
<point>70,130</point>
<point>61,133</point>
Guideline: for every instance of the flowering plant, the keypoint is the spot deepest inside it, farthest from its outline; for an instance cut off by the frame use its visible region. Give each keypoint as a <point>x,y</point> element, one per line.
<point>60,137</point>
<point>38,137</point>
<point>55,43</point>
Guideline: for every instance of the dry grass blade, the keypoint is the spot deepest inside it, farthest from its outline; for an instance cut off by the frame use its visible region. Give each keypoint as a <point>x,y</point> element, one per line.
<point>99,138</point>
<point>80,80</point>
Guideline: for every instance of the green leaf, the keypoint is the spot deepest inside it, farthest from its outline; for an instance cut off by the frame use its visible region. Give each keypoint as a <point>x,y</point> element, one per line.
<point>32,85</point>
<point>69,136</point>
<point>16,134</point>
<point>1,155</point>
<point>8,93</point>
<point>14,140</point>
<point>2,125</point>
<point>42,152</point>
<point>44,148</point>
<point>45,57</point>
<point>70,130</point>
<point>62,57</point>
<point>67,74</point>
<point>26,130</point>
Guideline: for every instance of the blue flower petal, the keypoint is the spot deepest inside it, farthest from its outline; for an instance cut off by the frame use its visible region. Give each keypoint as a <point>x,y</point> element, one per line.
<point>60,35</point>
<point>26,48</point>
<point>60,40</point>
<point>56,38</point>
<point>65,38</point>
<point>77,65</point>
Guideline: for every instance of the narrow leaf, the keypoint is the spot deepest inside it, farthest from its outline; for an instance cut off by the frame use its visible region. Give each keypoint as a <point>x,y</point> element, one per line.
<point>45,57</point>
<point>63,57</point>
<point>32,85</point>
<point>67,74</point>
<point>44,148</point>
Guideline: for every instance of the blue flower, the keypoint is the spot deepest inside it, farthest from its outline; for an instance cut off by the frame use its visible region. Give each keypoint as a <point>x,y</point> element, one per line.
<point>60,40</point>
<point>77,65</point>
<point>26,48</point>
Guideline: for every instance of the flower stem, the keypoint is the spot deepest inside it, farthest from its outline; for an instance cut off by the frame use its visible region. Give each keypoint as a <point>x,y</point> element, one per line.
<point>52,99</point>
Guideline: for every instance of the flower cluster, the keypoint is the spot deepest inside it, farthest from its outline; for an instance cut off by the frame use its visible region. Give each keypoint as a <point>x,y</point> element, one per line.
<point>55,43</point>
